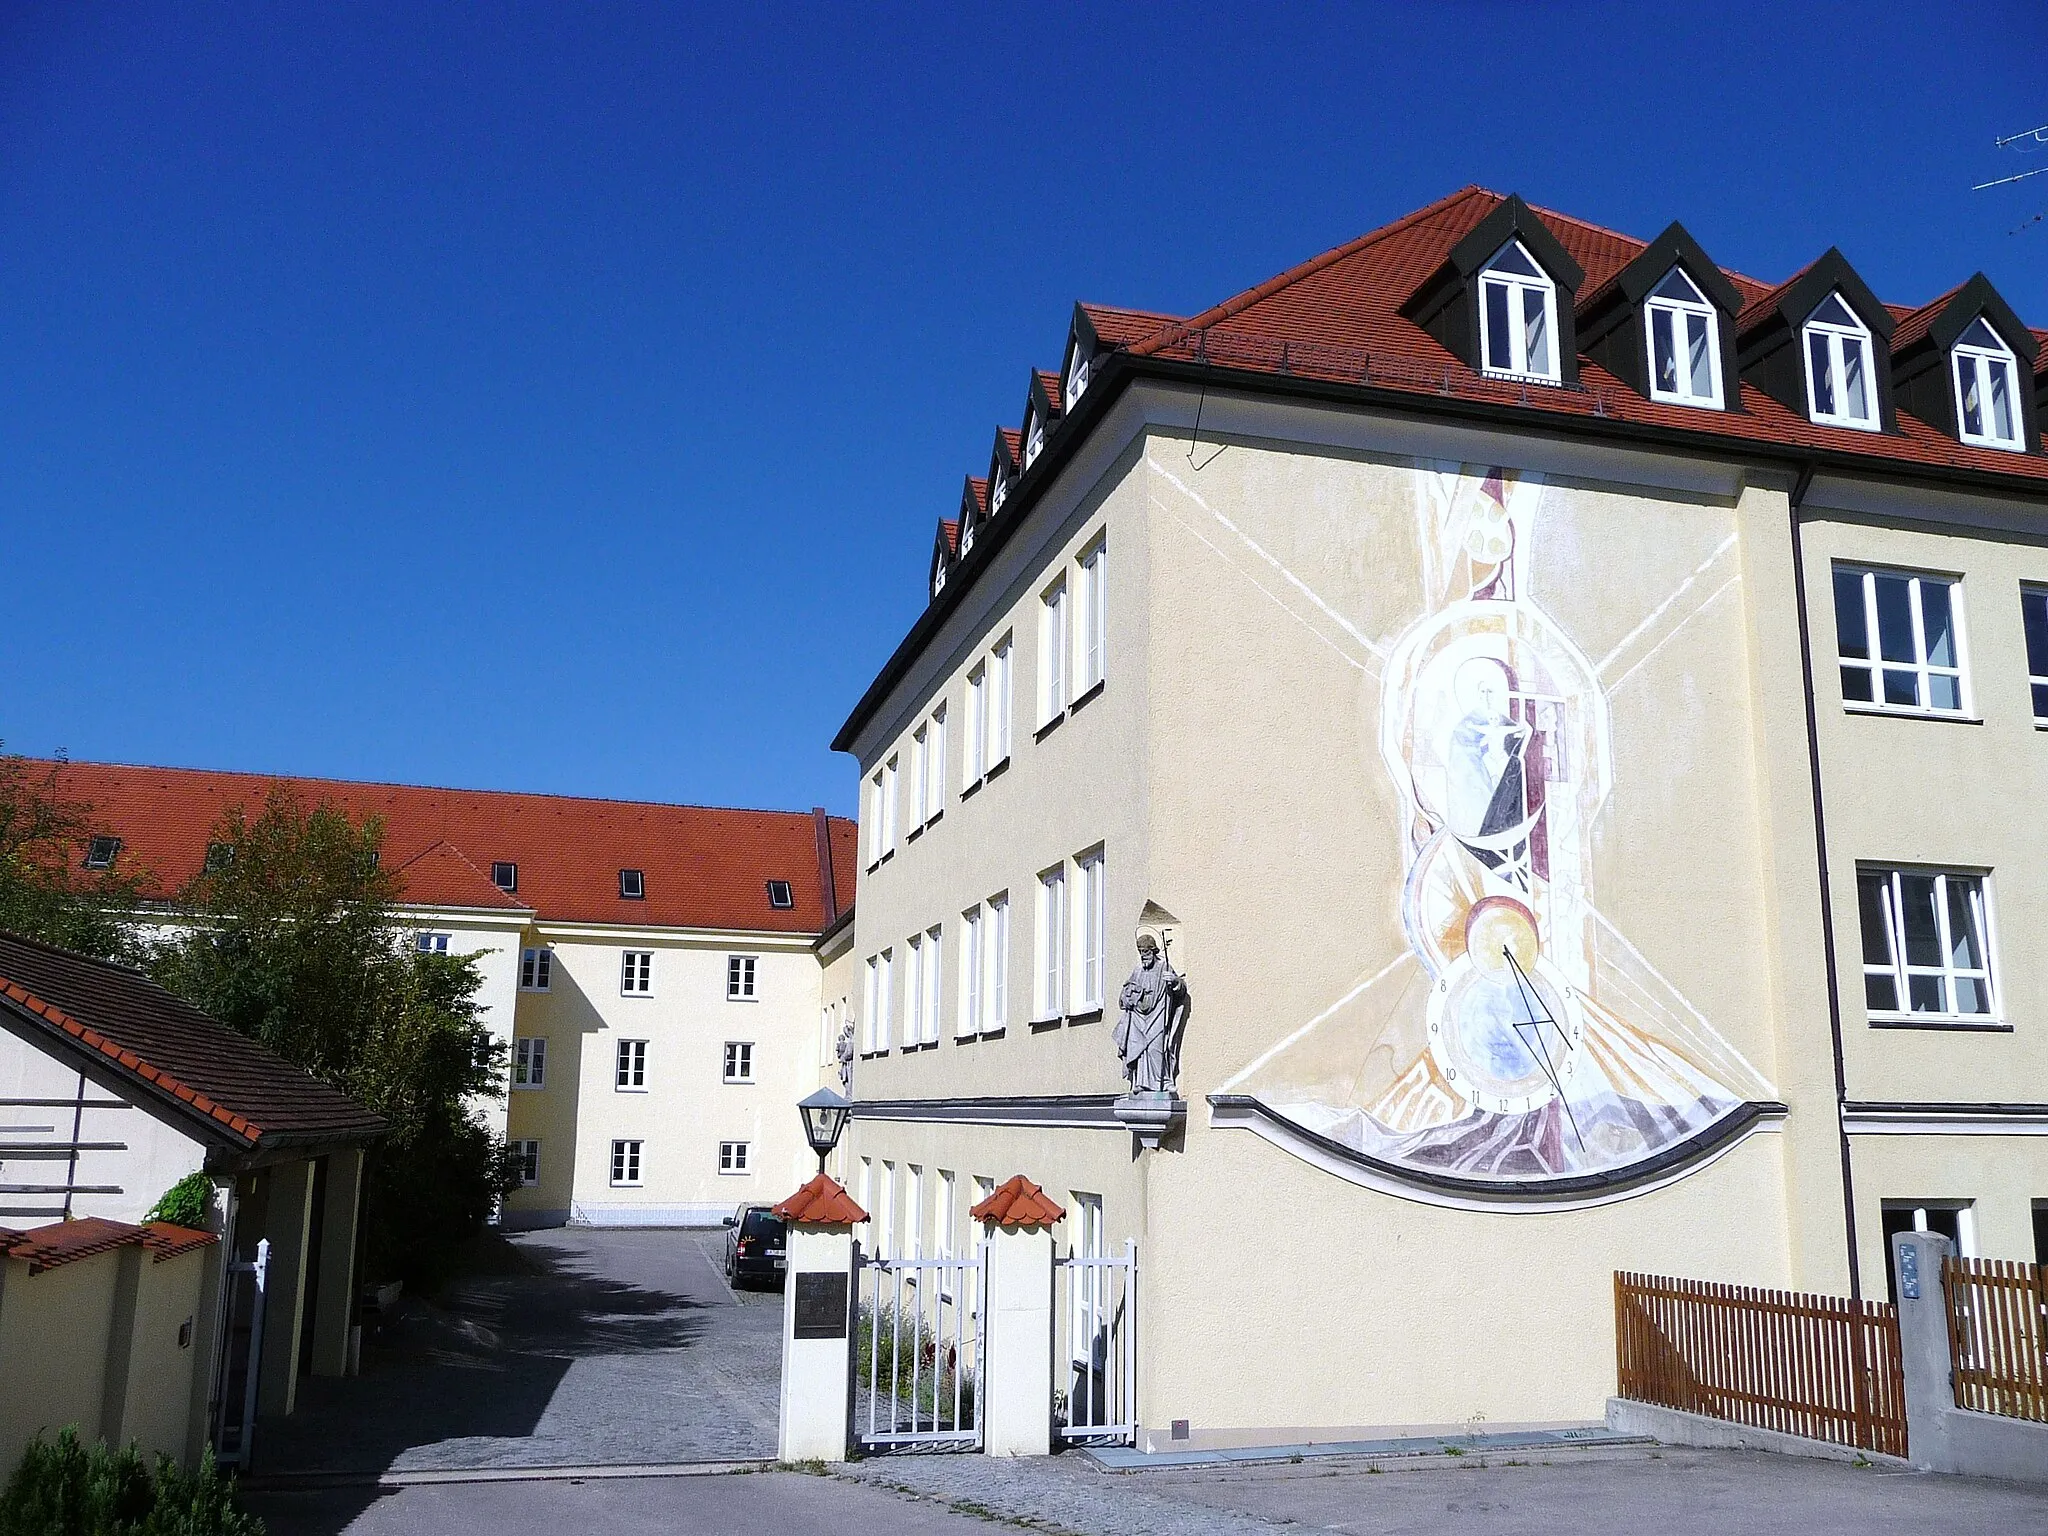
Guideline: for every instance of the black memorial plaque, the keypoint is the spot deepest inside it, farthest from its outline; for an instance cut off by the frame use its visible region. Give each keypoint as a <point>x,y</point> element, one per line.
<point>821,1306</point>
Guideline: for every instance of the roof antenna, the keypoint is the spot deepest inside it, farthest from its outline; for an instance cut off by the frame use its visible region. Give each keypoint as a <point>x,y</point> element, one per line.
<point>2033,140</point>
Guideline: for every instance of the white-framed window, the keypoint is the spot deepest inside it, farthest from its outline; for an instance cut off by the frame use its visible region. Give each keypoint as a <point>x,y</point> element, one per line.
<point>632,885</point>
<point>996,988</point>
<point>1087,1302</point>
<point>739,1061</point>
<point>1034,440</point>
<point>887,1238</point>
<point>920,772</point>
<point>1955,1220</point>
<point>1685,343</point>
<point>888,807</point>
<point>984,1186</point>
<point>530,1062</point>
<point>636,972</point>
<point>1517,316</point>
<point>101,852</point>
<point>629,1067</point>
<point>945,1216</point>
<point>998,493</point>
<point>739,978</point>
<point>1089,934</point>
<point>1987,390</point>
<point>974,757</point>
<point>505,874</point>
<point>885,1001</point>
<point>2034,618</point>
<point>733,1156</point>
<point>913,1211</point>
<point>1077,378</point>
<point>999,704</point>
<point>1900,635</point>
<point>935,775</point>
<point>1926,944</point>
<point>526,1156</point>
<point>625,1163</point>
<point>1055,643</point>
<point>432,943</point>
<point>1091,620</point>
<point>870,993</point>
<point>864,1191</point>
<point>968,1020</point>
<point>871,824</point>
<point>1841,383</point>
<point>1051,939</point>
<point>928,991</point>
<point>913,989</point>
<point>536,969</point>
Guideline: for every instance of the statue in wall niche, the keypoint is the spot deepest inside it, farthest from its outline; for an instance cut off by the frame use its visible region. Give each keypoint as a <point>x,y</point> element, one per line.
<point>844,1051</point>
<point>1153,1016</point>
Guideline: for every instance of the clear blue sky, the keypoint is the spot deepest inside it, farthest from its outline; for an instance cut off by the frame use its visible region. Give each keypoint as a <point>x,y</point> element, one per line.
<point>561,396</point>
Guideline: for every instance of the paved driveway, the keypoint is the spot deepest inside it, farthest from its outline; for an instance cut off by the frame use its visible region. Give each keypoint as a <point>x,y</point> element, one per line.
<point>592,1347</point>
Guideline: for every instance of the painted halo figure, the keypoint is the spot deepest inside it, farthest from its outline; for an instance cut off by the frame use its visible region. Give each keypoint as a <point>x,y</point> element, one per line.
<point>1152,1013</point>
<point>844,1051</point>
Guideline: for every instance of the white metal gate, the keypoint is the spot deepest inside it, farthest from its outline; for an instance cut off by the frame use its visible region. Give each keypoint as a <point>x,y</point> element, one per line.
<point>241,1359</point>
<point>1095,1325</point>
<point>918,1352</point>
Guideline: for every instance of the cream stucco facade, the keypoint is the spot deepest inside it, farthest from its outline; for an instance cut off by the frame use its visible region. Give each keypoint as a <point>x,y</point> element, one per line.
<point>1322,1245</point>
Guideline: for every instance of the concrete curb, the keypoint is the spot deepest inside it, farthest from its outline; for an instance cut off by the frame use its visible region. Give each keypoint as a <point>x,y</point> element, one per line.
<point>312,1482</point>
<point>1671,1426</point>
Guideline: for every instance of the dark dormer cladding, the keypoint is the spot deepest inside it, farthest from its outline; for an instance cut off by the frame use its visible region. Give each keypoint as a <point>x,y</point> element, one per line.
<point>1946,369</point>
<point>1775,346</point>
<point>1005,464</point>
<point>1668,338</point>
<point>1485,298</point>
<point>1041,413</point>
<point>973,509</point>
<point>1077,370</point>
<point>945,549</point>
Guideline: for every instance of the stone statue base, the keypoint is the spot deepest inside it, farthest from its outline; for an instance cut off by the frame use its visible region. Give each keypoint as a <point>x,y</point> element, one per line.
<point>1149,1116</point>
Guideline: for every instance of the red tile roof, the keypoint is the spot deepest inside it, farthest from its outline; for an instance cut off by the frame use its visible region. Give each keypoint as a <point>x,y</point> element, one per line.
<point>1050,383</point>
<point>66,1242</point>
<point>978,489</point>
<point>248,1095</point>
<point>1914,323</point>
<point>703,867</point>
<point>949,530</point>
<point>823,1202</point>
<point>1013,440</point>
<point>1017,1202</point>
<point>1116,327</point>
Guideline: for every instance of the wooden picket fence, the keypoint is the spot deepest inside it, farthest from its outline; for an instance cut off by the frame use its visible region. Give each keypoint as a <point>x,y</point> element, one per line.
<point>1998,1336</point>
<point>1822,1367</point>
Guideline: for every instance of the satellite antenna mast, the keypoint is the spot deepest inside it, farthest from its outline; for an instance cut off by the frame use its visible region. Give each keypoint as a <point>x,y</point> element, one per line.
<point>2026,143</point>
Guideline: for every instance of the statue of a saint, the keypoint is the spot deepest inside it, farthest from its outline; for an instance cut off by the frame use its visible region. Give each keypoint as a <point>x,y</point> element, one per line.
<point>1154,1012</point>
<point>844,1051</point>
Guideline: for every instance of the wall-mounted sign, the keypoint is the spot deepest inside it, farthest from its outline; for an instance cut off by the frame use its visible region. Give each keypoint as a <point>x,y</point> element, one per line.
<point>1909,1272</point>
<point>820,1306</point>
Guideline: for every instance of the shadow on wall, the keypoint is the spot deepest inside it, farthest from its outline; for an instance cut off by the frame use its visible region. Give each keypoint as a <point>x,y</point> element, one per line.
<point>554,1113</point>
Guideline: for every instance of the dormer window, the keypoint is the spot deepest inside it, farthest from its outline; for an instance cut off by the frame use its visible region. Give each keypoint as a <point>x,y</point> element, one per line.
<point>1987,389</point>
<point>1517,316</point>
<point>998,490</point>
<point>632,885</point>
<point>101,852</point>
<point>939,579</point>
<point>505,875</point>
<point>1685,343</point>
<point>1034,439</point>
<point>1840,388</point>
<point>1077,378</point>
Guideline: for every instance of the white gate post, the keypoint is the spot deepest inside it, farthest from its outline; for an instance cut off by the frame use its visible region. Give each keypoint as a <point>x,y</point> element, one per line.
<point>818,1303</point>
<point>1017,1378</point>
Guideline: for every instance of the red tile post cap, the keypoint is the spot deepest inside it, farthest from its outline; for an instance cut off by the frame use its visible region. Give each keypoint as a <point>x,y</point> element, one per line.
<point>823,1202</point>
<point>1017,1202</point>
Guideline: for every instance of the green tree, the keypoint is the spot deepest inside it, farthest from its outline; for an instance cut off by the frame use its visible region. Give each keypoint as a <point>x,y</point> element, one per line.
<point>45,891</point>
<point>294,939</point>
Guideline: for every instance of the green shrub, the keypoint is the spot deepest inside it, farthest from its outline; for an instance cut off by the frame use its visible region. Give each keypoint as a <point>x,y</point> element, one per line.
<point>187,1203</point>
<point>67,1490</point>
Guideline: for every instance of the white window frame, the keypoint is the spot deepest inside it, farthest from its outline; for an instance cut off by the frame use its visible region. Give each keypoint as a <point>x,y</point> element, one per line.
<point>1887,880</point>
<point>740,974</point>
<point>1091,634</point>
<point>527,1150</point>
<point>1979,363</point>
<point>974,760</point>
<point>625,1163</point>
<point>998,493</point>
<point>1676,313</point>
<point>889,807</point>
<point>913,989</point>
<point>935,769</point>
<point>886,1236</point>
<point>913,1209</point>
<point>1837,339</point>
<point>1090,1294</point>
<point>1049,994</point>
<point>2034,628</point>
<point>636,973</point>
<point>944,1217</point>
<point>996,989</point>
<point>928,1027</point>
<point>1077,379</point>
<point>1520,289</point>
<point>1964,1211</point>
<point>872,825</point>
<point>735,1158</point>
<point>1090,933</point>
<point>429,943</point>
<point>967,1021</point>
<point>529,1062</point>
<point>739,1061</point>
<point>1055,647</point>
<point>1924,672</point>
<point>920,769</point>
<point>1034,439</point>
<point>1002,660</point>
<point>870,997</point>
<point>629,1066</point>
<point>885,1015</point>
<point>537,969</point>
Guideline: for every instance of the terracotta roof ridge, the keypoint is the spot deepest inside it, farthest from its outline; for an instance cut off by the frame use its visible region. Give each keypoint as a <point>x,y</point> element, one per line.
<point>1237,304</point>
<point>87,1035</point>
<point>1128,312</point>
<point>438,789</point>
<point>1756,308</point>
<point>504,899</point>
